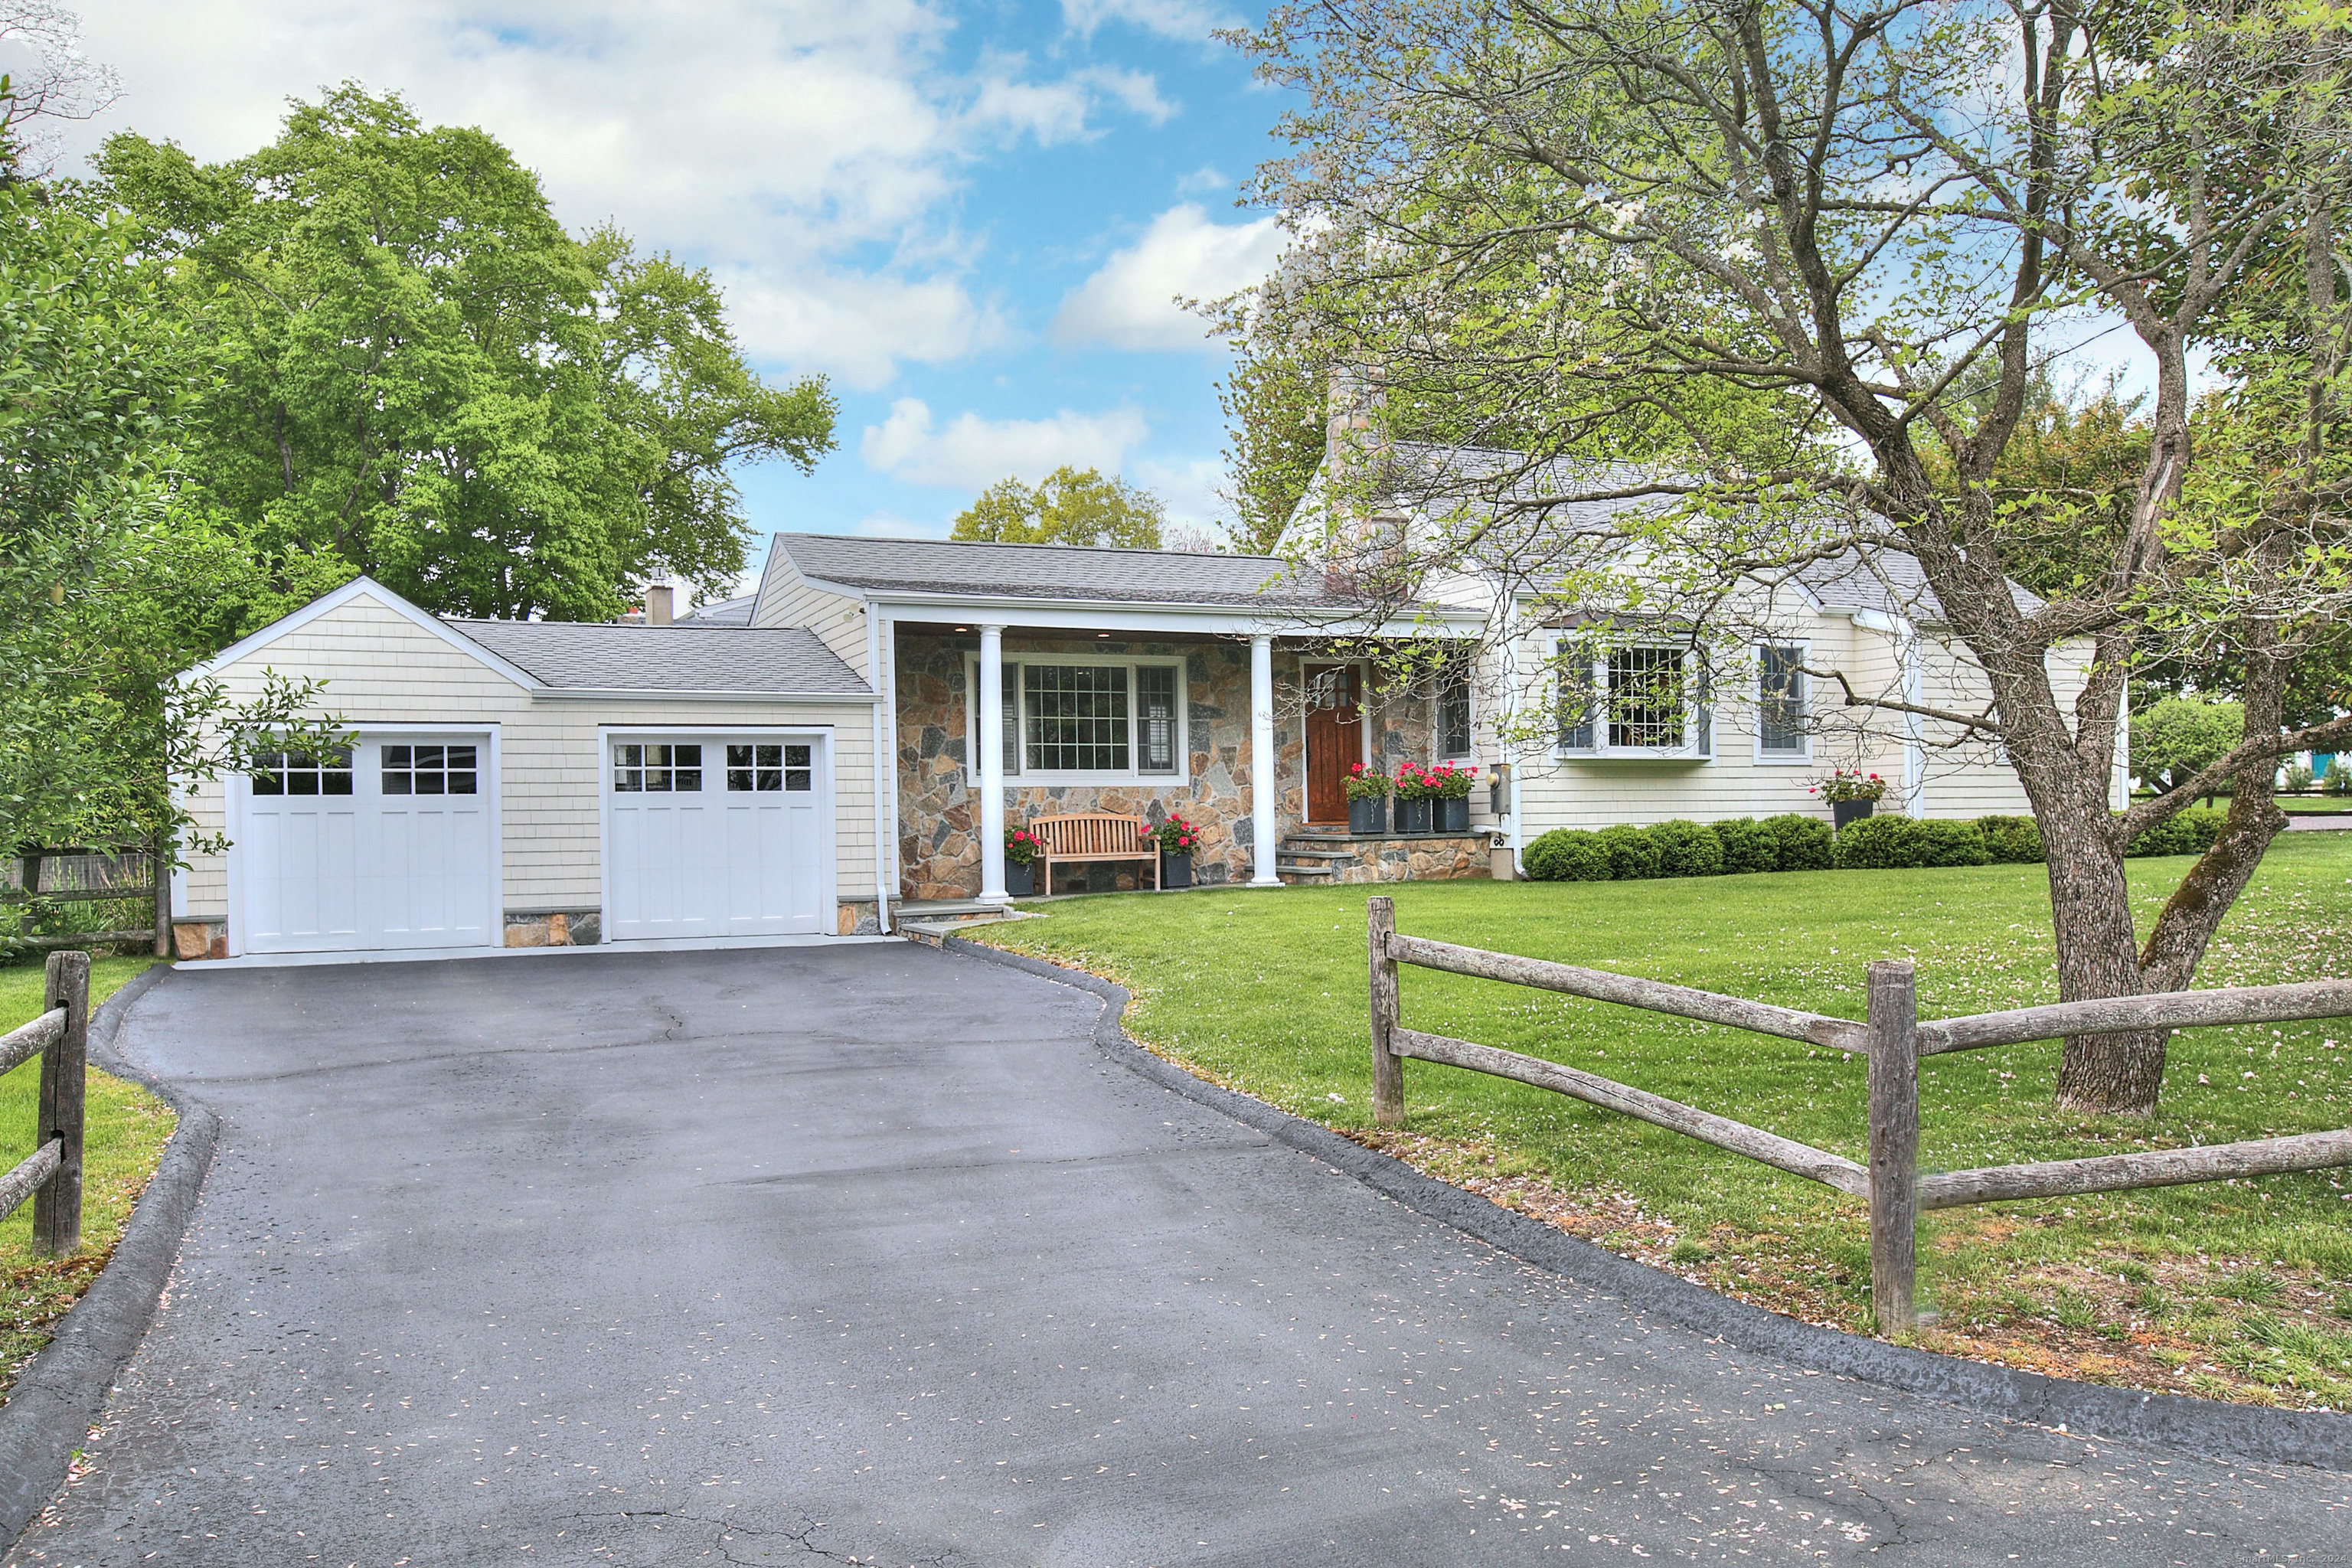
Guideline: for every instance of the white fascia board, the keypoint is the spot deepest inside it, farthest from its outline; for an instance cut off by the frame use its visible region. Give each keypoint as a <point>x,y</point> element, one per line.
<point>362,587</point>
<point>1096,615</point>
<point>660,694</point>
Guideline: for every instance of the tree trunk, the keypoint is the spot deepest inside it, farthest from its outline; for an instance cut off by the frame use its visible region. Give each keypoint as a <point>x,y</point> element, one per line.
<point>2099,953</point>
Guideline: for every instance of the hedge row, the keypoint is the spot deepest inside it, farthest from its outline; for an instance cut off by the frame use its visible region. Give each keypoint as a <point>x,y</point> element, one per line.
<point>1794,843</point>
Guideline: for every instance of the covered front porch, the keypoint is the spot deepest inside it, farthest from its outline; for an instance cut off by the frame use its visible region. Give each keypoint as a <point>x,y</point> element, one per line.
<point>1148,714</point>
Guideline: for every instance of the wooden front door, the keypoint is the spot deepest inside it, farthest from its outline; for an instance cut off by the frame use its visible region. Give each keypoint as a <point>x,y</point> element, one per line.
<point>1335,738</point>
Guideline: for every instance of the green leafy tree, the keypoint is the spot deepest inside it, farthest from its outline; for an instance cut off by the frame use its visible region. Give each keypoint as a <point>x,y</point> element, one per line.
<point>108,590</point>
<point>2177,738</point>
<point>1069,506</point>
<point>415,370</point>
<point>1786,279</point>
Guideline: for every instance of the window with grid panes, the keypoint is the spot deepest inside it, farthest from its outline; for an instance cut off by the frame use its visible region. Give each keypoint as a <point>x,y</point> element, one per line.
<point>428,770</point>
<point>763,767</point>
<point>1076,716</point>
<point>1645,698</point>
<point>657,769</point>
<point>1780,706</point>
<point>288,772</point>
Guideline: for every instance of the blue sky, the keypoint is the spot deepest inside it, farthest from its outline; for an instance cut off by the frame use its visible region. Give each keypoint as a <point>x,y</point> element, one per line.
<point>970,217</point>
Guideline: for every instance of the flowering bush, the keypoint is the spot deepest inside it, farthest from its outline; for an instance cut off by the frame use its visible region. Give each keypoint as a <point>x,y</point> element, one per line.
<point>1850,783</point>
<point>1363,784</point>
<point>1021,846</point>
<point>1452,783</point>
<point>1175,836</point>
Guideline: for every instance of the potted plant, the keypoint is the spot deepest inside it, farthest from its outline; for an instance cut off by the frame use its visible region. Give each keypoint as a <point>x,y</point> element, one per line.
<point>1454,786</point>
<point>1177,838</point>
<point>1021,850</point>
<point>1852,794</point>
<point>1415,791</point>
<point>1368,800</point>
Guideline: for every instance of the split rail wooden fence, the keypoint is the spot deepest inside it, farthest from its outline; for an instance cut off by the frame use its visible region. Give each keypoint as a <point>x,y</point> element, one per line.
<point>1892,1040</point>
<point>51,1175</point>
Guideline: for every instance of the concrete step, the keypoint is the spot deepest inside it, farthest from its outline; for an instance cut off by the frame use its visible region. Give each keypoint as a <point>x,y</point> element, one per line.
<point>1314,873</point>
<point>1297,853</point>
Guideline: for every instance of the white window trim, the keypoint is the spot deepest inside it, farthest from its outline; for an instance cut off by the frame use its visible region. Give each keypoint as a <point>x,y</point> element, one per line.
<point>1690,751</point>
<point>1803,755</point>
<point>1014,660</point>
<point>1470,700</point>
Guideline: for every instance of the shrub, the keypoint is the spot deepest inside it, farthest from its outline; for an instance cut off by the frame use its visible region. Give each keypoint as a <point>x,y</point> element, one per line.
<point>1888,843</point>
<point>2189,832</point>
<point>1632,854</point>
<point>2011,839</point>
<point>1747,845</point>
<point>1803,842</point>
<point>1567,855</point>
<point>1686,849</point>
<point>2296,780</point>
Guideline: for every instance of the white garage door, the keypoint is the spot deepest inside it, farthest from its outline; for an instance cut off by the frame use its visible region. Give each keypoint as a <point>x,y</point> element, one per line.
<point>716,835</point>
<point>388,845</point>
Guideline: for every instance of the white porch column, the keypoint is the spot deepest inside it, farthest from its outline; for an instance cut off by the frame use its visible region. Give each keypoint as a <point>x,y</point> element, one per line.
<point>991,765</point>
<point>1262,763</point>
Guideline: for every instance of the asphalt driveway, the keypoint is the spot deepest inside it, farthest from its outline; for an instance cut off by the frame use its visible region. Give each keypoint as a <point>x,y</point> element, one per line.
<point>867,1254</point>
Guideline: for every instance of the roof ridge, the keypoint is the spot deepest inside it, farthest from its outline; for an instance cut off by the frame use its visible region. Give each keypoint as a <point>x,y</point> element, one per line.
<point>1027,545</point>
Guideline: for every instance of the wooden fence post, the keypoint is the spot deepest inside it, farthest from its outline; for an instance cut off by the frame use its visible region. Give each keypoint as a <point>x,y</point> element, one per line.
<point>57,1204</point>
<point>1894,1145</point>
<point>161,855</point>
<point>1388,1071</point>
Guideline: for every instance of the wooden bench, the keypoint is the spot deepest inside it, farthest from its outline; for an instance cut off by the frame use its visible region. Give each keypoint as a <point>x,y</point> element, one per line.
<point>1084,835</point>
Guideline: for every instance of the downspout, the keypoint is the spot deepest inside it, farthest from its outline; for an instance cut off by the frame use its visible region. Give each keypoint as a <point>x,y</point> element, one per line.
<point>1510,719</point>
<point>1915,749</point>
<point>885,767</point>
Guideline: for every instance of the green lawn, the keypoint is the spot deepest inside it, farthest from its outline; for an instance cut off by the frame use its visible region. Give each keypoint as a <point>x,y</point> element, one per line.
<point>2237,1290</point>
<point>124,1136</point>
<point>2315,804</point>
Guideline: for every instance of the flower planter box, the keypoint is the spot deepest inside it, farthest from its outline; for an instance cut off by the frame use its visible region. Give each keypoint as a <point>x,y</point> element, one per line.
<point>1413,817</point>
<point>1845,811</point>
<point>1369,816</point>
<point>1454,813</point>
<point>1175,871</point>
<point>1020,878</point>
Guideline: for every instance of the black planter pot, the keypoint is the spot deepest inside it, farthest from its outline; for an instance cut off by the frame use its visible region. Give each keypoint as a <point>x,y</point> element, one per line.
<point>1412,817</point>
<point>1175,871</point>
<point>1845,811</point>
<point>1454,815</point>
<point>1369,816</point>
<point>1020,878</point>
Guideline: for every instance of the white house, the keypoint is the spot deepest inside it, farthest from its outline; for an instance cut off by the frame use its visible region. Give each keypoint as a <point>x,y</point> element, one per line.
<point>876,715</point>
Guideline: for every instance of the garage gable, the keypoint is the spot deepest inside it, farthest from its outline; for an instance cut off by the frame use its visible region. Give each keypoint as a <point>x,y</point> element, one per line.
<point>365,637</point>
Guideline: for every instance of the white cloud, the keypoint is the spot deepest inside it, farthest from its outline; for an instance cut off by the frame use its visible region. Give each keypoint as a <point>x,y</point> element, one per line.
<point>1189,487</point>
<point>1207,177</point>
<point>859,326</point>
<point>806,150</point>
<point>1171,19</point>
<point>1130,301</point>
<point>970,452</point>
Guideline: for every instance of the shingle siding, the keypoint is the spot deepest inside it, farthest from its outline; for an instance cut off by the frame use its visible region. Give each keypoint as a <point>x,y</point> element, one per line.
<point>381,668</point>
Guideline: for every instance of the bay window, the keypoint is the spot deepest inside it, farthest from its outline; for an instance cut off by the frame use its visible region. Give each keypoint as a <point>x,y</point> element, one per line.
<point>1643,699</point>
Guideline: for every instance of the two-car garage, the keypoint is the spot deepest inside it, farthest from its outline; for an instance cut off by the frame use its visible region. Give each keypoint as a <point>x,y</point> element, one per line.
<point>535,784</point>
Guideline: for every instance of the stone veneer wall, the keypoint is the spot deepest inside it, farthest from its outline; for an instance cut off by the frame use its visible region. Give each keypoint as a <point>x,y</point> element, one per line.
<point>1410,859</point>
<point>938,846</point>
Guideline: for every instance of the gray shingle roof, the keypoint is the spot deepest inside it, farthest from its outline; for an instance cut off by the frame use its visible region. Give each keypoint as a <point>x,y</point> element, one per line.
<point>1056,572</point>
<point>735,612</point>
<point>602,655</point>
<point>1886,580</point>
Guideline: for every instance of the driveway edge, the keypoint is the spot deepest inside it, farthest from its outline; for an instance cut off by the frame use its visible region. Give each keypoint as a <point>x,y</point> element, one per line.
<point>2078,1409</point>
<point>48,1413</point>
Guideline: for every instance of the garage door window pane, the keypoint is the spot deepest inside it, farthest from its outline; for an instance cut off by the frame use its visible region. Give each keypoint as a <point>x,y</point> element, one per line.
<point>285,773</point>
<point>656,769</point>
<point>755,767</point>
<point>428,770</point>
<point>797,774</point>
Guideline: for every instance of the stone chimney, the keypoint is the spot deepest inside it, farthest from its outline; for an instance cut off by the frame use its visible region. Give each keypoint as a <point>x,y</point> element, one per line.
<point>658,604</point>
<point>1351,407</point>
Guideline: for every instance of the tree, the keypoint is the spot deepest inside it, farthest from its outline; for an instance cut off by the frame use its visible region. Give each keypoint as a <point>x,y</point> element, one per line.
<point>2179,737</point>
<point>1274,412</point>
<point>106,592</point>
<point>54,80</point>
<point>1782,281</point>
<point>416,369</point>
<point>1068,506</point>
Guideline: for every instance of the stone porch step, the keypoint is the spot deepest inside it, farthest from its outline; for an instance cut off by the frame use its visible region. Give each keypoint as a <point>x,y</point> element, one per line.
<point>1297,853</point>
<point>1312,872</point>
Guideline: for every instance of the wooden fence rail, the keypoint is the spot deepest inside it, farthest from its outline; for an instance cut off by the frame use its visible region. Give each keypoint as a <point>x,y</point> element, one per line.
<point>51,1175</point>
<point>1891,1039</point>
